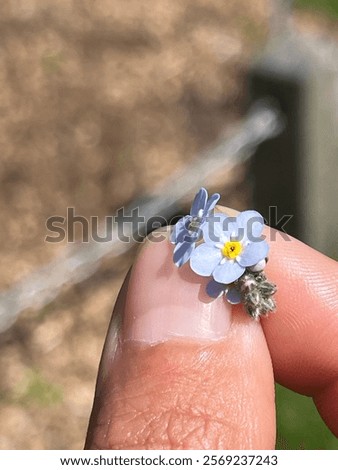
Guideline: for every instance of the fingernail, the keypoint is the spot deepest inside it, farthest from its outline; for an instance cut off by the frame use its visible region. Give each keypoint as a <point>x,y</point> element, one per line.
<point>165,302</point>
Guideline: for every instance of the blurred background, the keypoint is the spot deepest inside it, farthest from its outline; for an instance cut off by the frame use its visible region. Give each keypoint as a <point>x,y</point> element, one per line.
<point>99,103</point>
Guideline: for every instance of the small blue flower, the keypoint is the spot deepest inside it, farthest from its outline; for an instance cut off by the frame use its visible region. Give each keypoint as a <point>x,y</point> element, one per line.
<point>231,245</point>
<point>216,289</point>
<point>188,230</point>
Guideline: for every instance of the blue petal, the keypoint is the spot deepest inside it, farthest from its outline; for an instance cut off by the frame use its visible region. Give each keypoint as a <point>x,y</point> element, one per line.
<point>250,224</point>
<point>182,253</point>
<point>204,259</point>
<point>253,253</point>
<point>180,229</point>
<point>215,289</point>
<point>199,202</point>
<point>173,234</point>
<point>212,201</point>
<point>233,296</point>
<point>214,230</point>
<point>192,237</point>
<point>227,272</point>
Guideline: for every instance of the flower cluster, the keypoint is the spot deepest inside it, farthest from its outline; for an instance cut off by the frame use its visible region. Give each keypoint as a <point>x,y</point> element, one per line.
<point>229,250</point>
<point>188,230</point>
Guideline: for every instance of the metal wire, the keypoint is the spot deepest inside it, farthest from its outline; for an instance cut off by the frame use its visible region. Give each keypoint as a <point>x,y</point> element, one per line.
<point>78,263</point>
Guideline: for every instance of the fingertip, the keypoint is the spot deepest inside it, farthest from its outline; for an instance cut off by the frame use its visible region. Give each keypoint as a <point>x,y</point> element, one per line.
<point>191,372</point>
<point>302,334</point>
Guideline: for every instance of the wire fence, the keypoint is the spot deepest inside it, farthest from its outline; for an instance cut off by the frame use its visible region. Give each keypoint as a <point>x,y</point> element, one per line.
<point>79,262</point>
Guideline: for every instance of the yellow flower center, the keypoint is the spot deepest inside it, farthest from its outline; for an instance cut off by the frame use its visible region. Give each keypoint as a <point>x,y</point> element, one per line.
<point>232,249</point>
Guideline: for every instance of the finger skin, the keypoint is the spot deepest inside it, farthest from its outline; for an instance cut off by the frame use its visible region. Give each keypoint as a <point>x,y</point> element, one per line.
<point>189,396</point>
<point>183,394</point>
<point>303,335</point>
<point>326,401</point>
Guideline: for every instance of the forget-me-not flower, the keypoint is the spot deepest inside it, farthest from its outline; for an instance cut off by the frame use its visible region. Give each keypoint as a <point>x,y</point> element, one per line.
<point>188,230</point>
<point>216,289</point>
<point>231,245</point>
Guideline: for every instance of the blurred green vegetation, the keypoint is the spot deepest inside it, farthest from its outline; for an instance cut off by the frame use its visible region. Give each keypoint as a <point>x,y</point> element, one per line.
<point>52,62</point>
<point>299,425</point>
<point>330,7</point>
<point>37,390</point>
